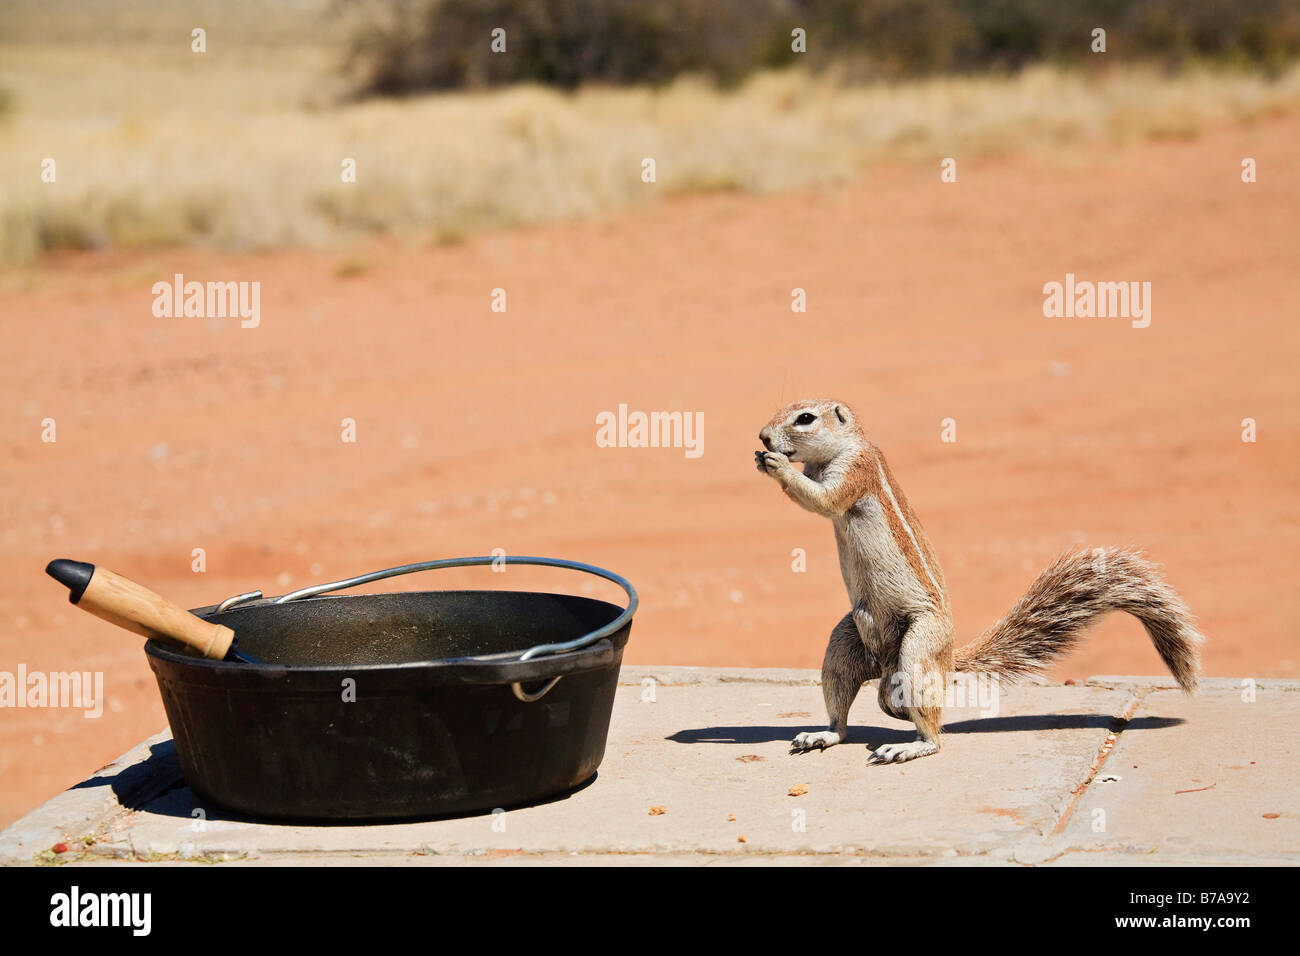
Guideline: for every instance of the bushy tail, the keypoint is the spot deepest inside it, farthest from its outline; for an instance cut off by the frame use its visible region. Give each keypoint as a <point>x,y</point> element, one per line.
<point>1073,592</point>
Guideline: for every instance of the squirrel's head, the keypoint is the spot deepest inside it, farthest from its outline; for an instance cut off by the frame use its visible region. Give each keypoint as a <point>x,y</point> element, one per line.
<point>814,432</point>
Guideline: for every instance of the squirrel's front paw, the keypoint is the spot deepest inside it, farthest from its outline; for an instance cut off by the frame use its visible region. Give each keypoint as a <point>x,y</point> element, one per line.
<point>771,462</point>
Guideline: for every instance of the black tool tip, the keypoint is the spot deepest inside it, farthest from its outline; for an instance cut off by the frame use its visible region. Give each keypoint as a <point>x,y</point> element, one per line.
<point>239,656</point>
<point>74,575</point>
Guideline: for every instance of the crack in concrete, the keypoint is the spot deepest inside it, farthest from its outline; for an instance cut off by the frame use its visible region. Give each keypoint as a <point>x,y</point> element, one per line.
<point>1108,745</point>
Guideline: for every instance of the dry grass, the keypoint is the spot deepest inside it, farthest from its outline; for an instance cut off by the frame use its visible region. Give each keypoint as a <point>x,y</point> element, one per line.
<point>241,147</point>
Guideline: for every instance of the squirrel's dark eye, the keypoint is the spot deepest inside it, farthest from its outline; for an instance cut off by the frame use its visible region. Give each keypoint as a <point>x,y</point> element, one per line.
<point>807,418</point>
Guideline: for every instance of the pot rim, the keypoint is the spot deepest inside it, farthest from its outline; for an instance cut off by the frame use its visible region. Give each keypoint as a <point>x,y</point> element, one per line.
<point>565,662</point>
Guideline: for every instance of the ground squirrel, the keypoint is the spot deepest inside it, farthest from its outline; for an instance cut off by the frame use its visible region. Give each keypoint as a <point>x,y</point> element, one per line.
<point>900,626</point>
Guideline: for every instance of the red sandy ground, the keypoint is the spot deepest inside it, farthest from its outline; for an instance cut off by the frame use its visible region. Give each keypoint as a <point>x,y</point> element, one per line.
<point>476,429</point>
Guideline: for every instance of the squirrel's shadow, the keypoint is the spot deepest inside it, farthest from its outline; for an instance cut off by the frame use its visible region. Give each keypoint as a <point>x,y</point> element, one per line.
<point>897,735</point>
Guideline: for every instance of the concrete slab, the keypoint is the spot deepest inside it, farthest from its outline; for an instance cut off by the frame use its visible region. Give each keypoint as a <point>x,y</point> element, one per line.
<point>86,808</point>
<point>1221,785</point>
<point>697,770</point>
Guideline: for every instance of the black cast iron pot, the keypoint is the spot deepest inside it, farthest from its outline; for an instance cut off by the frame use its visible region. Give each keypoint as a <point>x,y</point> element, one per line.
<point>385,706</point>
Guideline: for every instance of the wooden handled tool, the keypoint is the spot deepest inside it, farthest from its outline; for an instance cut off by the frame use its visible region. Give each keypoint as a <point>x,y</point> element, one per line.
<point>121,601</point>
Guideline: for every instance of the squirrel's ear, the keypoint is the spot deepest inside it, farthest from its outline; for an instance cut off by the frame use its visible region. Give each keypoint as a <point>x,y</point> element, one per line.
<point>843,414</point>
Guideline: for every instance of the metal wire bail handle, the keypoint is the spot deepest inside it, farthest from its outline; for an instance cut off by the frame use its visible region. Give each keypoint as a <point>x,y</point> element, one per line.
<point>611,628</point>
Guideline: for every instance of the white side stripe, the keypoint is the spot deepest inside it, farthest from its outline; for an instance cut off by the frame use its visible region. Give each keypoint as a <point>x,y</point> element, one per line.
<point>884,483</point>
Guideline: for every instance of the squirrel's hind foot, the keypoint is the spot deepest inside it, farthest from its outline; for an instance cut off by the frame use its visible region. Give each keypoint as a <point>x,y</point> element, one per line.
<point>900,753</point>
<point>818,740</point>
